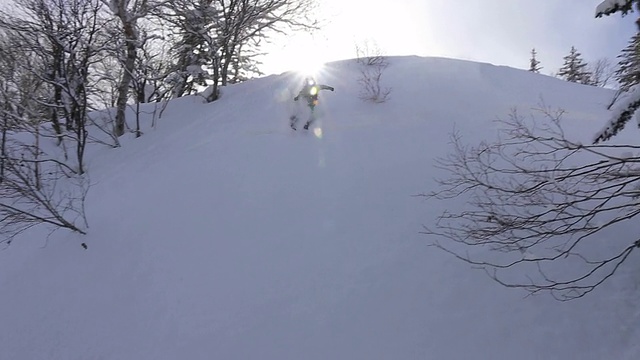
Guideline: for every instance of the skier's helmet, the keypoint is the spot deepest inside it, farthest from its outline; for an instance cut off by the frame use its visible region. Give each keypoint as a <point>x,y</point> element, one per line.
<point>310,81</point>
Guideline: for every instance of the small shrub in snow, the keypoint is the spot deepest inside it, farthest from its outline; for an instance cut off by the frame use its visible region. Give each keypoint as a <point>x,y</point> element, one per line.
<point>373,64</point>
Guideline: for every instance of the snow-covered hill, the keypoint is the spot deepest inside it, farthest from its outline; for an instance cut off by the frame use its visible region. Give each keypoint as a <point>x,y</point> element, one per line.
<point>223,234</point>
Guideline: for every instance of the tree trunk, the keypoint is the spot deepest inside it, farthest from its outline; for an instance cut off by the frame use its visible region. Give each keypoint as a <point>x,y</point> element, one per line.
<point>138,132</point>
<point>3,145</point>
<point>36,170</point>
<point>57,127</point>
<point>224,73</point>
<point>57,92</point>
<point>213,96</point>
<point>141,91</point>
<point>129,65</point>
<point>82,134</point>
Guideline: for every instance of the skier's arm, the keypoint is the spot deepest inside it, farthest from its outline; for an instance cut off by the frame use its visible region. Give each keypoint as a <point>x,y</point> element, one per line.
<point>326,87</point>
<point>298,96</point>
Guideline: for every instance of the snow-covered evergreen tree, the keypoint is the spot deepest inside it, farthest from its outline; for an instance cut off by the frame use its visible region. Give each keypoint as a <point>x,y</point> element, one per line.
<point>628,72</point>
<point>194,48</point>
<point>534,64</point>
<point>608,7</point>
<point>574,68</point>
<point>627,104</point>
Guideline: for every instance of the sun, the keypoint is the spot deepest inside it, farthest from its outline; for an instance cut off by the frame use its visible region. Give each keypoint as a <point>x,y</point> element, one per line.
<point>304,54</point>
<point>310,66</point>
<point>307,59</point>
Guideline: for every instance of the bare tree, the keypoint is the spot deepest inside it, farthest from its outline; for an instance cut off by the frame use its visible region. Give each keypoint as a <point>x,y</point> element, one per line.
<point>152,69</point>
<point>59,42</point>
<point>368,53</point>
<point>47,49</point>
<point>129,13</point>
<point>370,88</point>
<point>35,188</point>
<point>39,191</point>
<point>373,64</point>
<point>218,40</point>
<point>554,211</point>
<point>42,57</point>
<point>147,82</point>
<point>246,23</point>
<point>8,95</point>
<point>543,203</point>
<point>601,72</point>
<point>244,65</point>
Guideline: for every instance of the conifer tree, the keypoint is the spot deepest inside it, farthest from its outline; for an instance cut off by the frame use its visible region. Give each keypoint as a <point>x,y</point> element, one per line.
<point>627,103</point>
<point>608,7</point>
<point>574,68</point>
<point>534,63</point>
<point>628,72</point>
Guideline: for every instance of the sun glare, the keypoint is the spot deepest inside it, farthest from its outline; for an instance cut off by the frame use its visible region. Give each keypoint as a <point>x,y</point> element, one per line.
<point>304,53</point>
<point>308,62</point>
<point>309,67</point>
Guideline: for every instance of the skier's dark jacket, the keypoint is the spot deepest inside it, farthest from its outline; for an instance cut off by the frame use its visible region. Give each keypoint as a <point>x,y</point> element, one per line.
<point>310,92</point>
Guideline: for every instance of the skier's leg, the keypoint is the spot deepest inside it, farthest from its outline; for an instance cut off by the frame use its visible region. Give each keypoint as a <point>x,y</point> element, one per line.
<point>312,118</point>
<point>298,109</point>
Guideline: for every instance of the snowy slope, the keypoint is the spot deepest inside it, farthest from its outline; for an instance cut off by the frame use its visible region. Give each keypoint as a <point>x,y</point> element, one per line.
<point>223,234</point>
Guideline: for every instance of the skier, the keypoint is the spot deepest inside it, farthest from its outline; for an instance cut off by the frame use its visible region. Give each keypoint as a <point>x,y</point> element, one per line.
<point>309,92</point>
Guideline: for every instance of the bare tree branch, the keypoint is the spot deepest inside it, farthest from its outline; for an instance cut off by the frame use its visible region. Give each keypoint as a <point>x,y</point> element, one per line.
<point>544,205</point>
<point>373,63</point>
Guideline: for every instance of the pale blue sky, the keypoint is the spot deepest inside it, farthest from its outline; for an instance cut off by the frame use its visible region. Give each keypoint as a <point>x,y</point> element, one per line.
<point>501,32</point>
